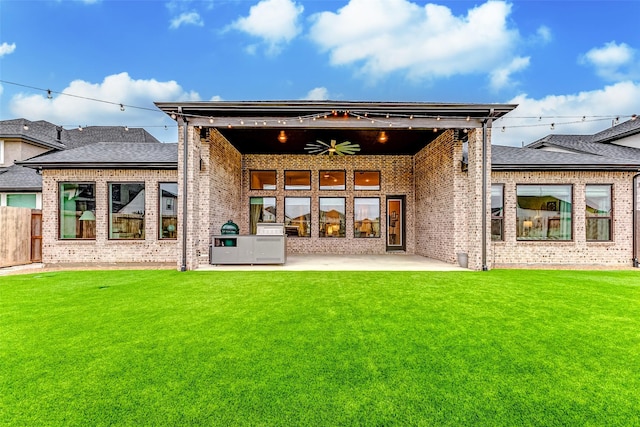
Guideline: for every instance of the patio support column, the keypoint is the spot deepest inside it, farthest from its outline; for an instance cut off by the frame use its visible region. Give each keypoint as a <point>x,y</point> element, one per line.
<point>484,196</point>
<point>185,181</point>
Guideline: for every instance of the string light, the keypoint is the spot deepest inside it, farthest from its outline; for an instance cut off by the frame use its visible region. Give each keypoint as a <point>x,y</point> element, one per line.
<point>564,120</point>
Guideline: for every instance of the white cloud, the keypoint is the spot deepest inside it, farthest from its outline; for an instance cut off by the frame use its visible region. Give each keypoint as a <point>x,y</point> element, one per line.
<point>501,77</point>
<point>116,88</point>
<point>317,94</point>
<point>186,18</point>
<point>6,48</point>
<point>543,34</point>
<point>1,89</point>
<point>613,61</point>
<point>532,119</point>
<point>385,36</point>
<point>274,21</point>
<point>216,98</point>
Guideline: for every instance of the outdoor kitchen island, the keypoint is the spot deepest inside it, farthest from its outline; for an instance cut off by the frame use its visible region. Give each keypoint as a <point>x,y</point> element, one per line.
<point>267,246</point>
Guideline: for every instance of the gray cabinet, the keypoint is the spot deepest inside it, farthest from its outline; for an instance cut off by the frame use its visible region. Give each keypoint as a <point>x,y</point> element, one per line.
<point>236,249</point>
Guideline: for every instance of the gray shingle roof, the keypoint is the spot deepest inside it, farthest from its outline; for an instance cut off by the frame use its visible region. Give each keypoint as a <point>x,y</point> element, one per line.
<point>19,178</point>
<point>110,155</point>
<point>91,134</point>
<point>52,136</point>
<point>514,158</point>
<point>601,143</point>
<point>41,133</point>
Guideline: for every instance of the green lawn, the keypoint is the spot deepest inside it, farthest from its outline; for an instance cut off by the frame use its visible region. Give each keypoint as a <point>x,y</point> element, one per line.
<point>157,348</point>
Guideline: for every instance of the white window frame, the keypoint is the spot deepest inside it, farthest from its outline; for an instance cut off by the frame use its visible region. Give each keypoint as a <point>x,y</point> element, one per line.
<point>1,152</point>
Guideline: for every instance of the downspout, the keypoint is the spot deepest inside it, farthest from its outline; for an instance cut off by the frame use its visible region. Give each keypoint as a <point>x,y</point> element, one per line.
<point>484,194</point>
<point>634,211</point>
<point>185,180</point>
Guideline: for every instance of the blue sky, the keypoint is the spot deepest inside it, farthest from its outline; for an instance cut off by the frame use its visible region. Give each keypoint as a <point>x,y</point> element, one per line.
<point>572,63</point>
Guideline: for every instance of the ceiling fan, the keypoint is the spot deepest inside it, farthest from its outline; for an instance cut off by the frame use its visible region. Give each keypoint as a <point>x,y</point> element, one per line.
<point>320,147</point>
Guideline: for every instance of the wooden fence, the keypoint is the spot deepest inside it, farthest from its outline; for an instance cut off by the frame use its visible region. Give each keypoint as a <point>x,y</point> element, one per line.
<point>16,237</point>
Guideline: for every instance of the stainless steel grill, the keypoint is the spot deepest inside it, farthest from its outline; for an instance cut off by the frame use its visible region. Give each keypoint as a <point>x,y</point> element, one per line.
<point>269,229</point>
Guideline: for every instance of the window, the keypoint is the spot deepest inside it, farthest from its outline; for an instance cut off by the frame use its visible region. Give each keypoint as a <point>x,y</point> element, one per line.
<point>332,217</point>
<point>366,217</point>
<point>297,216</point>
<point>1,152</point>
<point>598,212</point>
<point>332,180</point>
<point>126,211</point>
<point>262,209</point>
<point>77,210</point>
<point>297,180</point>
<point>262,180</point>
<point>497,212</point>
<point>168,210</point>
<point>21,200</point>
<point>544,212</point>
<point>367,180</point>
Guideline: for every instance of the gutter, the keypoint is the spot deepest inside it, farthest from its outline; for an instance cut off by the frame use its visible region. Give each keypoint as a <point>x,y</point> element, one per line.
<point>634,226</point>
<point>185,165</point>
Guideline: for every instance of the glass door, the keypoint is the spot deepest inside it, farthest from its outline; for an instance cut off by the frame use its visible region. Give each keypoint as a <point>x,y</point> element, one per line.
<point>395,223</point>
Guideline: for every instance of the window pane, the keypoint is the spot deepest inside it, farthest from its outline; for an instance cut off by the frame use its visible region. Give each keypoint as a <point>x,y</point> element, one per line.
<point>598,212</point>
<point>126,211</point>
<point>262,180</point>
<point>544,212</point>
<point>263,209</point>
<point>297,216</point>
<point>599,229</point>
<point>366,217</point>
<point>77,210</point>
<point>367,180</point>
<point>332,217</point>
<point>332,180</point>
<point>168,210</point>
<point>297,180</point>
<point>497,212</point>
<point>22,200</point>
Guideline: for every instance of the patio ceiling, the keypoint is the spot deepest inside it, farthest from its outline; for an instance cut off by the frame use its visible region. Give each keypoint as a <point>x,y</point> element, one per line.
<point>254,127</point>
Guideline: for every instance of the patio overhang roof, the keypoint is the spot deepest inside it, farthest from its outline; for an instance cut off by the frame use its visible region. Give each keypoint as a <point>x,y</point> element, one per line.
<point>254,127</point>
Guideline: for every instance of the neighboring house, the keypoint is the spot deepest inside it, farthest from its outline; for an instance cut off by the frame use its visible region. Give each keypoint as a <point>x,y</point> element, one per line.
<point>423,180</point>
<point>576,193</point>
<point>21,139</point>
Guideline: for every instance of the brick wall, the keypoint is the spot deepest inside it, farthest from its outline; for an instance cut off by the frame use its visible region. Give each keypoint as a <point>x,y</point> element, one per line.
<point>578,252</point>
<point>396,174</point>
<point>103,250</point>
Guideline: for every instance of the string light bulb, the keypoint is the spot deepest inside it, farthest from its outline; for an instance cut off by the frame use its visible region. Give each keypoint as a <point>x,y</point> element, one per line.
<point>173,116</point>
<point>25,126</point>
<point>121,107</point>
<point>634,116</point>
<point>126,128</point>
<point>80,128</point>
<point>553,126</point>
<point>49,96</point>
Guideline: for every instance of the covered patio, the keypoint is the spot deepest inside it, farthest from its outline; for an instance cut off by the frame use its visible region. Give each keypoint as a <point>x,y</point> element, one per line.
<point>430,162</point>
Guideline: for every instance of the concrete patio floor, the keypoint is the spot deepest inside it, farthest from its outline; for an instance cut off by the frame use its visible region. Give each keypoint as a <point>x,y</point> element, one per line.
<point>387,262</point>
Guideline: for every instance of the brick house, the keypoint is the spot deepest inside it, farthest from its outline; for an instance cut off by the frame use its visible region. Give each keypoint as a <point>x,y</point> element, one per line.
<point>22,139</point>
<point>417,178</point>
